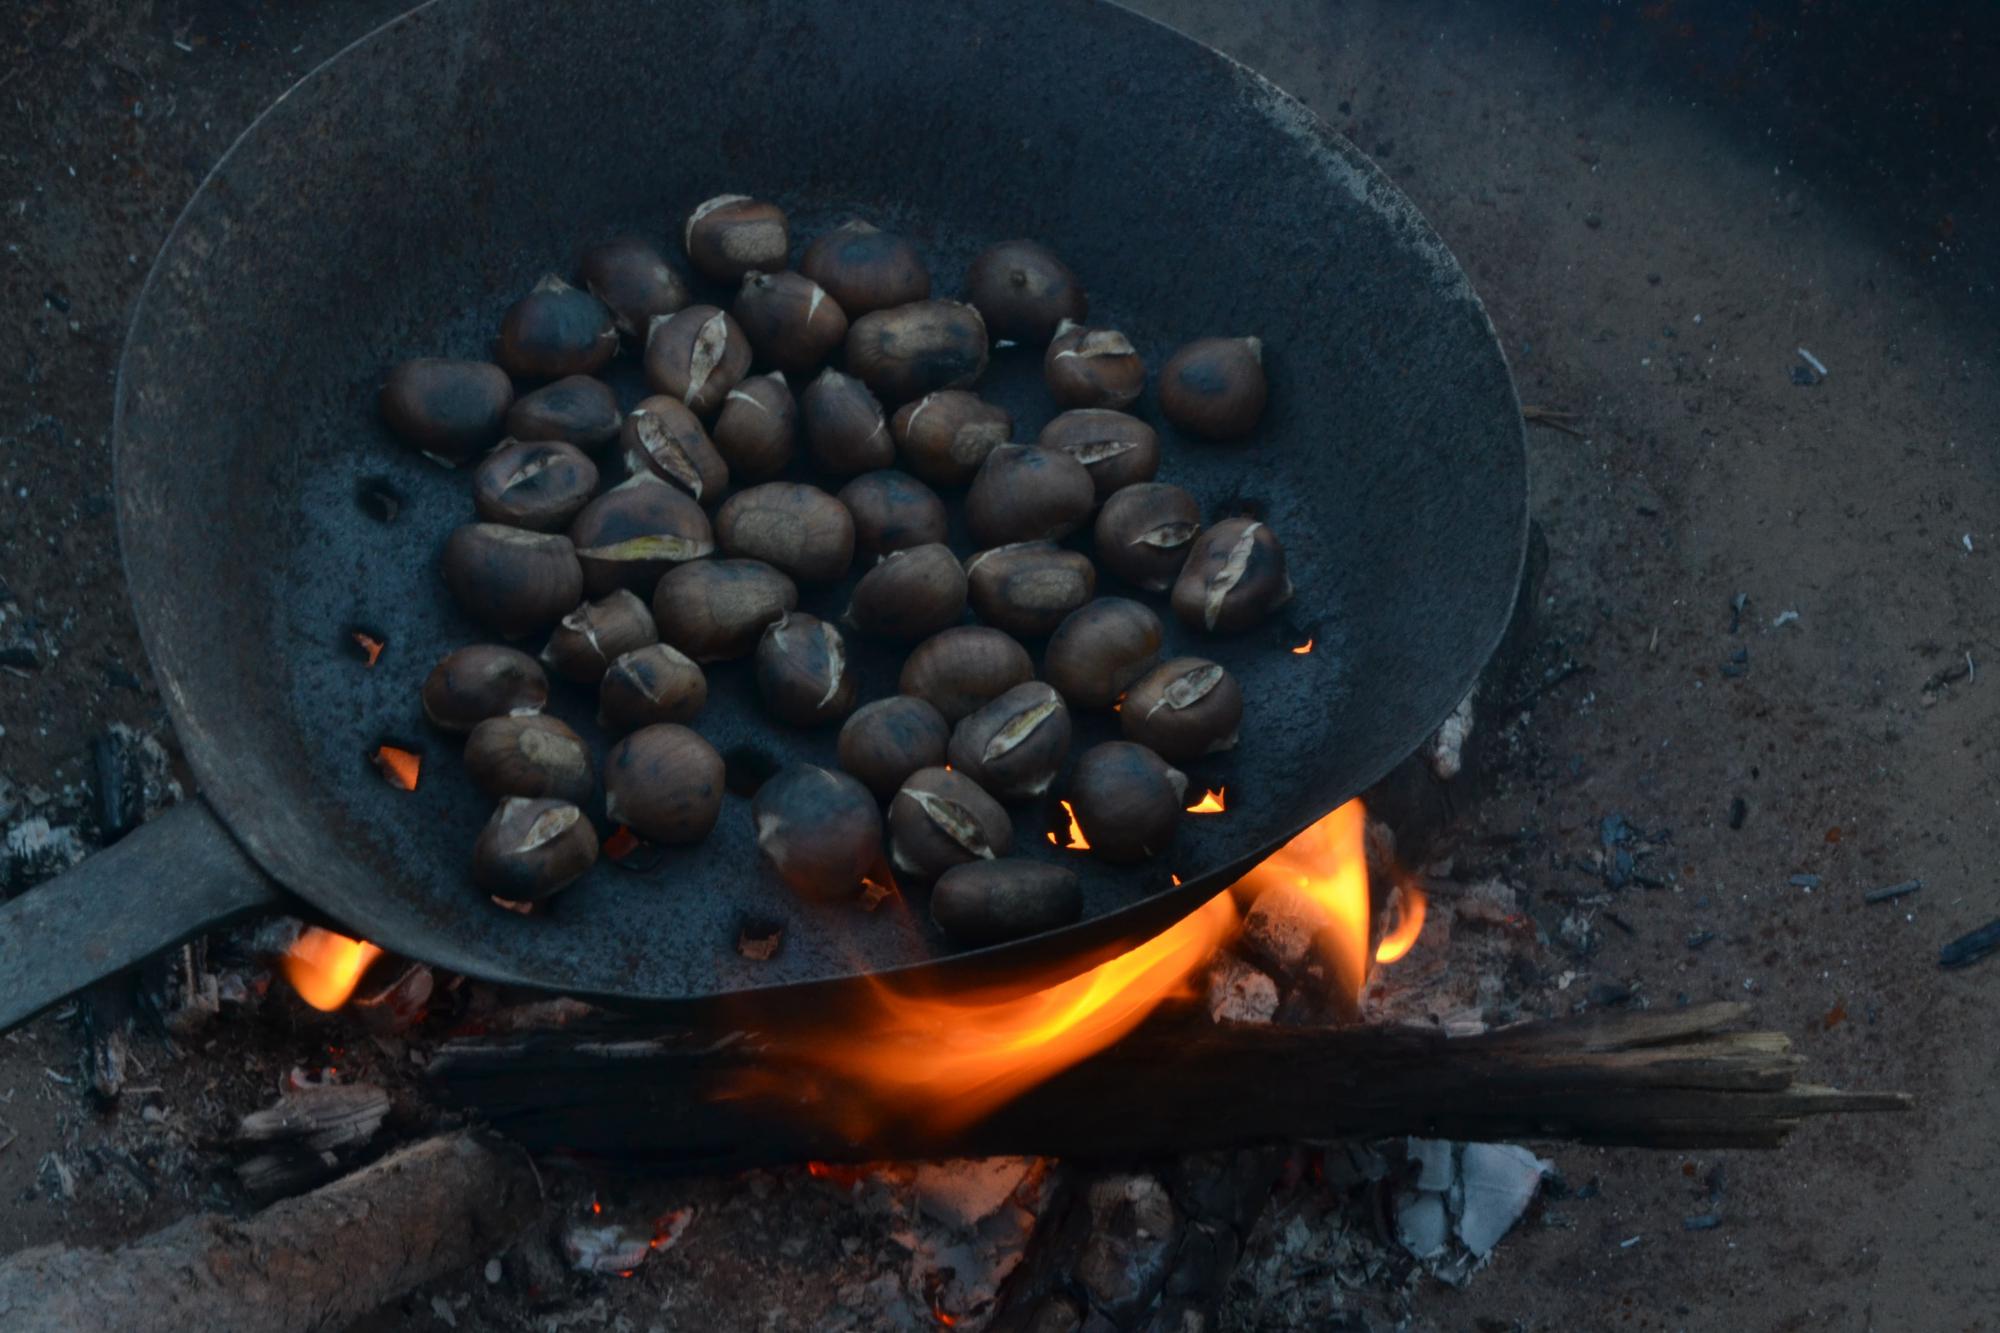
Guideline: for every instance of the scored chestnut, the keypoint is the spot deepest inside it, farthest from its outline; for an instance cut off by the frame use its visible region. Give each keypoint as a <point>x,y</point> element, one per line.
<point>1027,588</point>
<point>1215,387</point>
<point>665,783</point>
<point>1100,649</point>
<point>939,819</point>
<point>910,593</point>
<point>731,234</point>
<point>845,432</point>
<point>1234,577</point>
<point>1007,898</point>
<point>943,437</point>
<point>1013,746</point>
<point>1024,291</point>
<point>531,849</point>
<point>865,268</point>
<point>959,669</point>
<point>637,531</point>
<point>555,330</point>
<point>447,410</point>
<point>480,681</point>
<point>635,283</point>
<point>697,354</point>
<point>533,485</point>
<point>576,409</point>
<point>910,350</point>
<point>1183,709</point>
<point>588,640</point>
<point>802,672</point>
<point>799,529</point>
<point>757,430</point>
<point>663,437</point>
<point>1127,800</point>
<point>819,831</point>
<point>532,754</point>
<point>892,510</point>
<point>883,742</point>
<point>790,319</point>
<point>512,580</point>
<point>650,684</point>
<point>1144,533</point>
<point>1118,450</point>
<point>1024,493</point>
<point>714,610</point>
<point>1087,367</point>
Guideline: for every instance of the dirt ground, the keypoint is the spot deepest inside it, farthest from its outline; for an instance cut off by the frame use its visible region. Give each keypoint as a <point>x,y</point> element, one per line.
<point>1658,221</point>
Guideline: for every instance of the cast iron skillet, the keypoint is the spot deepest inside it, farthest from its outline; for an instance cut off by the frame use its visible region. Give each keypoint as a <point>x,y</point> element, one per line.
<point>397,199</point>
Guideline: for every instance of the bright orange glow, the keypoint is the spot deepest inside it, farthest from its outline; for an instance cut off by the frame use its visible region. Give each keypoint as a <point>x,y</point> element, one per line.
<point>596,1208</point>
<point>370,646</point>
<point>1077,842</point>
<point>1303,648</point>
<point>1329,865</point>
<point>1211,803</point>
<point>1176,879</point>
<point>399,767</point>
<point>1409,925</point>
<point>324,968</point>
<point>621,844</point>
<point>947,1320</point>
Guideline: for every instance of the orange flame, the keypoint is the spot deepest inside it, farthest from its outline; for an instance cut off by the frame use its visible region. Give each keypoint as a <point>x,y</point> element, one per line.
<point>371,647</point>
<point>325,968</point>
<point>1211,803</point>
<point>1303,648</point>
<point>1409,925</point>
<point>1077,842</point>
<point>399,767</point>
<point>1328,864</point>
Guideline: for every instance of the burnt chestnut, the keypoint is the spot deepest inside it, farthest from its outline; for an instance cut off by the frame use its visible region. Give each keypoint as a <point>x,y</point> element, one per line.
<point>943,437</point>
<point>802,672</point>
<point>865,268</point>
<point>1215,387</point>
<point>555,330</point>
<point>513,581</point>
<point>637,531</point>
<point>1013,746</point>
<point>531,849</point>
<point>909,350</point>
<point>665,783</point>
<point>449,411</point>
<point>1100,649</point>
<point>959,669</point>
<point>576,409</point>
<point>1007,898</point>
<point>1025,493</point>
<point>480,681</point>
<point>1027,588</point>
<point>892,510</point>
<point>731,234</point>
<point>882,743</point>
<point>648,685</point>
<point>714,610</point>
<point>845,432</point>
<point>799,529</point>
<point>819,831</point>
<point>1024,291</point>
<point>539,486</point>
<point>1144,533</point>
<point>1087,367</point>
<point>1117,450</point>
<point>1183,709</point>
<point>663,437</point>
<point>697,354</point>
<point>529,755</point>
<point>757,430</point>
<point>1128,801</point>
<point>791,321</point>
<point>589,639</point>
<point>635,283</point>
<point>939,819</point>
<point>910,594</point>
<point>1234,577</point>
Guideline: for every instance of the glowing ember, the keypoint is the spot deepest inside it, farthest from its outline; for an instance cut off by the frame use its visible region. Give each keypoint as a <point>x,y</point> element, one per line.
<point>399,767</point>
<point>1303,648</point>
<point>1211,802</point>
<point>325,968</point>
<point>1328,864</point>
<point>1409,925</point>
<point>621,844</point>
<point>371,647</point>
<point>1077,842</point>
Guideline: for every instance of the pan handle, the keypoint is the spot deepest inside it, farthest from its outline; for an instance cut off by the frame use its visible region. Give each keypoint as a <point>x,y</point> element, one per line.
<point>171,878</point>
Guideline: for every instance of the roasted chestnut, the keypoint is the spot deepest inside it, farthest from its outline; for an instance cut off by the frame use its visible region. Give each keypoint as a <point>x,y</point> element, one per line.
<point>802,672</point>
<point>447,410</point>
<point>819,830</point>
<point>697,354</point>
<point>1117,450</point>
<point>665,783</point>
<point>865,268</point>
<point>845,432</point>
<point>1025,493</point>
<point>892,510</point>
<point>799,529</point>
<point>555,330</point>
<point>576,409</point>
<point>663,437</point>
<point>713,610</point>
<point>791,321</point>
<point>1214,387</point>
<point>959,669</point>
<point>910,593</point>
<point>531,849</point>
<point>1027,588</point>
<point>637,531</point>
<point>1183,709</point>
<point>1144,533</point>
<point>539,486</point>
<point>1024,291</point>
<point>909,350</point>
<point>635,283</point>
<point>939,819</point>
<point>1013,746</point>
<point>1007,898</point>
<point>757,430</point>
<point>532,754</point>
<point>1234,577</point>
<point>648,685</point>
<point>589,639</point>
<point>1100,649</point>
<point>480,681</point>
<point>731,234</point>
<point>511,580</point>
<point>1127,799</point>
<point>884,742</point>
<point>944,436</point>
<point>1087,367</point>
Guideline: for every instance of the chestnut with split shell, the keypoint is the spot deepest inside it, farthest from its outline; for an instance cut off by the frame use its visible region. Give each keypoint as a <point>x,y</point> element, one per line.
<point>757,430</point>
<point>533,485</point>
<point>1234,577</point>
<point>730,234</point>
<point>1144,533</point>
<point>1024,493</point>
<point>1013,746</point>
<point>939,819</point>
<point>697,354</point>
<point>1116,448</point>
<point>531,754</point>
<point>943,437</point>
<point>1088,367</point>
<point>635,532</point>
<point>845,430</point>
<point>533,848</point>
<point>819,831</point>
<point>655,683</point>
<point>1183,709</point>
<point>555,330</point>
<point>865,268</point>
<point>791,321</point>
<point>803,675</point>
<point>663,437</point>
<point>585,642</point>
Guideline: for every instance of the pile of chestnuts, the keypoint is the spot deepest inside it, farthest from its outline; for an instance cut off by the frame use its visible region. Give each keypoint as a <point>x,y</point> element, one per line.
<point>804,429</point>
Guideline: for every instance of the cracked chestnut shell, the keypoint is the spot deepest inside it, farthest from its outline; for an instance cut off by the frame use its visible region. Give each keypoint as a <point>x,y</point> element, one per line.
<point>1025,493</point>
<point>576,409</point>
<point>714,610</point>
<point>1100,649</point>
<point>798,529</point>
<point>650,684</point>
<point>1029,587</point>
<point>791,321</point>
<point>533,485</point>
<point>818,830</point>
<point>959,669</point>
<point>1007,898</point>
<point>588,640</point>
<point>482,680</point>
<point>697,354</point>
<point>1128,801</point>
<point>943,437</point>
<point>845,431</point>
<point>1215,387</point>
<point>1144,533</point>
<point>634,281</point>
<point>447,410</point>
<point>663,437</point>
<point>1117,449</point>
<point>731,234</point>
<point>1013,746</point>
<point>531,849</point>
<point>939,819</point>
<point>910,350</point>
<point>892,510</point>
<point>865,268</point>
<point>665,783</point>
<point>637,531</point>
<point>883,742</point>
<point>757,430</point>
<point>802,671</point>
<point>1092,367</point>
<point>513,581</point>
<point>910,593</point>
<point>1234,577</point>
<point>555,330</point>
<point>529,755</point>
<point>1024,291</point>
<point>1183,709</point>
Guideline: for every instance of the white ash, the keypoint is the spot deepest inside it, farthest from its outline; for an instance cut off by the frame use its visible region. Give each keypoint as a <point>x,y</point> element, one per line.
<point>614,1249</point>
<point>1446,748</point>
<point>1278,931</point>
<point>36,850</point>
<point>1123,1264</point>
<point>1468,1193</point>
<point>1240,993</point>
